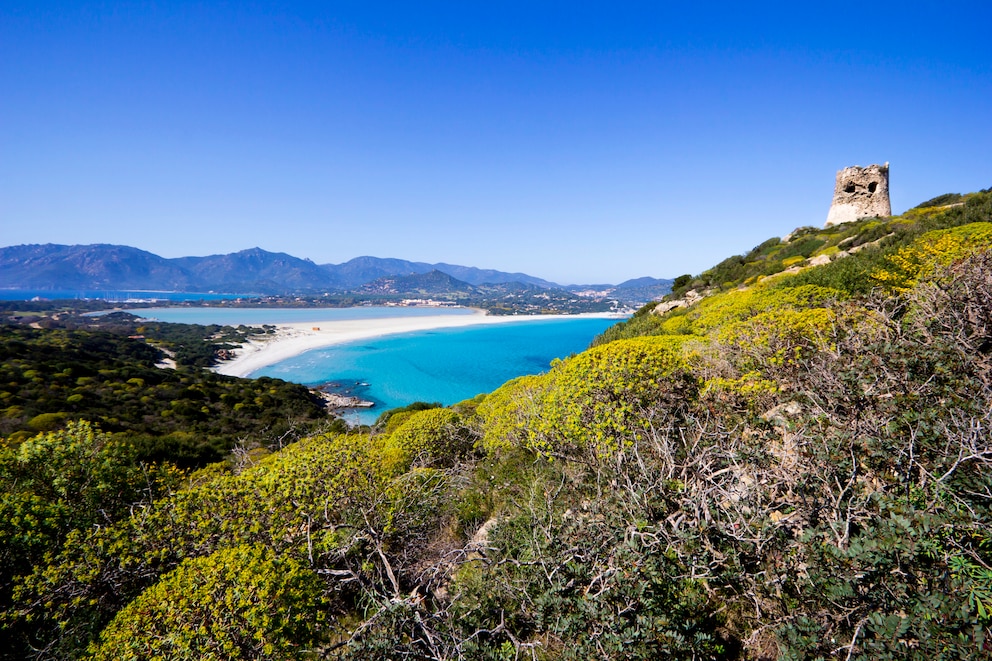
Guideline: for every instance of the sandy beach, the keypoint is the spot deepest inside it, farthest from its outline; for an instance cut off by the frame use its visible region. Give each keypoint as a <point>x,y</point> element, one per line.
<point>295,338</point>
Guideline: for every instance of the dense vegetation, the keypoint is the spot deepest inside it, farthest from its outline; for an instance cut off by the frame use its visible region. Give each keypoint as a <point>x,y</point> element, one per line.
<point>188,345</point>
<point>187,416</point>
<point>798,467</point>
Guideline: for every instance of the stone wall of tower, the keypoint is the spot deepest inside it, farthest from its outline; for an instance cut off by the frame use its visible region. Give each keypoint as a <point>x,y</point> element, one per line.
<point>860,193</point>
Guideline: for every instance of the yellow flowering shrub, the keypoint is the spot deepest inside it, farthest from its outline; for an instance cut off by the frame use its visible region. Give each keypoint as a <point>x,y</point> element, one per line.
<point>434,436</point>
<point>606,397</point>
<point>507,412</point>
<point>934,249</point>
<point>678,322</point>
<point>396,421</point>
<point>780,336</point>
<point>749,384</point>
<point>717,311</point>
<point>310,500</point>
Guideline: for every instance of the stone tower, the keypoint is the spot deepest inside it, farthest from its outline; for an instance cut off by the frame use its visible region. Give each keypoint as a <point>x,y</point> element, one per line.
<point>860,193</point>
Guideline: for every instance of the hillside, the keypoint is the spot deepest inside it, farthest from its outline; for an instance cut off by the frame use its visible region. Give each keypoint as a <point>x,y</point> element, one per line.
<point>848,258</point>
<point>792,462</point>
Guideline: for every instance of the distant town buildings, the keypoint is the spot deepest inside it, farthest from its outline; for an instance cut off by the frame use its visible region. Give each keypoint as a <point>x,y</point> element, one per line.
<point>424,302</point>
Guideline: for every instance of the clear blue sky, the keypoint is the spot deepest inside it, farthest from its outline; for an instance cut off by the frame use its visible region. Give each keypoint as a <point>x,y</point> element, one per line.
<point>575,141</point>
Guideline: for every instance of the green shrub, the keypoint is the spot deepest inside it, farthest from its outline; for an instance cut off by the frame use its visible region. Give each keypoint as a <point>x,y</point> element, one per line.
<point>239,603</point>
<point>940,200</point>
<point>46,421</point>
<point>433,437</point>
<point>385,417</point>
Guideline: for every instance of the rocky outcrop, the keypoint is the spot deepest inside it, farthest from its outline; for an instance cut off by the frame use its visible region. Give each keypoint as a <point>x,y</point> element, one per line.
<point>335,401</point>
<point>860,193</point>
<point>689,298</point>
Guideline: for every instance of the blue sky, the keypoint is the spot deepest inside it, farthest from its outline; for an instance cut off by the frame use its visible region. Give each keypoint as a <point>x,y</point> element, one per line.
<point>575,141</point>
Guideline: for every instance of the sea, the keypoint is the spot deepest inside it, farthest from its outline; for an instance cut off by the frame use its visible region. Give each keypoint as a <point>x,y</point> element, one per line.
<point>445,365</point>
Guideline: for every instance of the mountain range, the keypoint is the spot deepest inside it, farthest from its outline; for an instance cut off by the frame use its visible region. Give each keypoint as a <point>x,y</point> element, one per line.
<point>105,266</point>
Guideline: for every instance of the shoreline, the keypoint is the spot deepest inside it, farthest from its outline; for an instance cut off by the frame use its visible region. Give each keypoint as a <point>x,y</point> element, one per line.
<point>292,339</point>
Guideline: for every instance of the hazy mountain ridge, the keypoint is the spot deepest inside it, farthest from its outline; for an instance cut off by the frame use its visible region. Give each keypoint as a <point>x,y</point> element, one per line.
<point>477,276</point>
<point>103,266</point>
<point>432,283</point>
<point>366,269</point>
<point>257,269</point>
<point>96,266</point>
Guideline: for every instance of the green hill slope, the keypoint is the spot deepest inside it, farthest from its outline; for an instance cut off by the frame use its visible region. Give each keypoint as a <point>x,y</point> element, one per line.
<point>848,258</point>
<point>794,464</point>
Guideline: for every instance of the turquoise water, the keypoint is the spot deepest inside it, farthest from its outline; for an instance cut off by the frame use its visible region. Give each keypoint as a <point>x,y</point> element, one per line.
<point>257,316</point>
<point>444,365</point>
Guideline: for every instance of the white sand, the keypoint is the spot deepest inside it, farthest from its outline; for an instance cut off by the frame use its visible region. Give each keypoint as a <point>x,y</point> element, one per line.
<point>292,339</point>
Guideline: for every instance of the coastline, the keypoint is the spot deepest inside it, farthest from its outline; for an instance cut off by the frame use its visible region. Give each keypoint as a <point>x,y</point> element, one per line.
<point>293,339</point>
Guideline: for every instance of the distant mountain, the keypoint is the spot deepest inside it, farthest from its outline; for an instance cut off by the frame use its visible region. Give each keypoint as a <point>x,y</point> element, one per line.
<point>475,276</point>
<point>96,266</point>
<point>640,283</point>
<point>432,283</point>
<point>104,266</point>
<point>255,270</point>
<point>361,270</point>
<point>634,292</point>
<point>643,289</point>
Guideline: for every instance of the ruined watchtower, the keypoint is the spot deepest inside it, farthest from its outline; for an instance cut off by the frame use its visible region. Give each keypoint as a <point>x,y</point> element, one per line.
<point>860,193</point>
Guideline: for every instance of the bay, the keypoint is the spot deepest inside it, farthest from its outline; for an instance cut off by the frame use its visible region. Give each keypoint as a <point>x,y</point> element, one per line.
<point>444,365</point>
